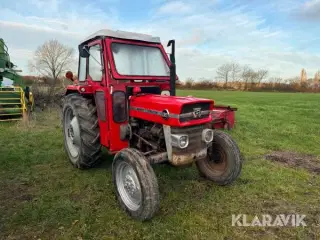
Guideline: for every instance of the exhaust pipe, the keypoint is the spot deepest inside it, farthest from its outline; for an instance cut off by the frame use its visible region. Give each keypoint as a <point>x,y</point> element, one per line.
<point>172,68</point>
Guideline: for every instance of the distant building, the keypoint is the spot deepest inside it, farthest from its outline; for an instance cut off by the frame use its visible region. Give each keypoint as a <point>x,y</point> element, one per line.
<point>303,77</point>
<point>316,80</point>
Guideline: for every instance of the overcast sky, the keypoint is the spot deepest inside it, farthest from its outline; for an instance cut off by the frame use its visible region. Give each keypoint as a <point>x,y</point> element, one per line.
<point>282,36</point>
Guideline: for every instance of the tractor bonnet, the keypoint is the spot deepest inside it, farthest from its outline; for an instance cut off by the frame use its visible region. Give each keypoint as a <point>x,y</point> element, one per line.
<point>171,110</point>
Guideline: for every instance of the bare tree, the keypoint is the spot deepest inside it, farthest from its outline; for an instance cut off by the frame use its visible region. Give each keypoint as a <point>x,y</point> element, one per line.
<point>253,77</point>
<point>51,60</point>
<point>262,74</point>
<point>224,73</point>
<point>246,75</point>
<point>278,80</point>
<point>235,72</point>
<point>189,83</point>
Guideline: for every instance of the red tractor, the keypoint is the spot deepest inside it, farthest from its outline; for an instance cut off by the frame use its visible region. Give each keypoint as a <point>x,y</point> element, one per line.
<point>125,100</point>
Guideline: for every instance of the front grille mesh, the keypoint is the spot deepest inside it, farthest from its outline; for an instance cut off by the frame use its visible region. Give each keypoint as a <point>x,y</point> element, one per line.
<point>188,110</point>
<point>195,141</point>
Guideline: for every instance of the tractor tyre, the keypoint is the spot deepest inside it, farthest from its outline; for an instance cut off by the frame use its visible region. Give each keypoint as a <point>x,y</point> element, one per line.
<point>135,183</point>
<point>81,131</point>
<point>223,163</point>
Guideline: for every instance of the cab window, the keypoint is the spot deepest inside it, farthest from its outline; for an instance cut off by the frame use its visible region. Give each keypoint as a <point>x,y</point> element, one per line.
<point>95,63</point>
<point>119,106</point>
<point>82,72</point>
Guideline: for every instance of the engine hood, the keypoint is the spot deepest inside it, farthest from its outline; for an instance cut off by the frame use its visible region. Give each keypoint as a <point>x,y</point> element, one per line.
<point>171,110</point>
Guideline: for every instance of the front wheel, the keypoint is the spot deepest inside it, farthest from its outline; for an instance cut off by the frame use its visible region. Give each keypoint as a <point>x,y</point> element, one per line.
<point>223,163</point>
<point>135,184</point>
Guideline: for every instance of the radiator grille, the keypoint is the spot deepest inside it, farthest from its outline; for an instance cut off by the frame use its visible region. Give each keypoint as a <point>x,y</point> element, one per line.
<point>188,110</point>
<point>195,142</point>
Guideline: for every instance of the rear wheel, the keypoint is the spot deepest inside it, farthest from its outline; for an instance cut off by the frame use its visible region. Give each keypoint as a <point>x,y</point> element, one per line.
<point>223,163</point>
<point>81,131</point>
<point>135,184</point>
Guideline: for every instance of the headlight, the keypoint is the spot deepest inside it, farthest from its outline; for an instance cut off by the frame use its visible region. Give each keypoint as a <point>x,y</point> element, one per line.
<point>207,135</point>
<point>180,141</point>
<point>165,92</point>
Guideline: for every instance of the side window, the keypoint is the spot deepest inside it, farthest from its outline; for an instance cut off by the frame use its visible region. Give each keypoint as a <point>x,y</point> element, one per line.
<point>119,106</point>
<point>95,63</point>
<point>82,73</point>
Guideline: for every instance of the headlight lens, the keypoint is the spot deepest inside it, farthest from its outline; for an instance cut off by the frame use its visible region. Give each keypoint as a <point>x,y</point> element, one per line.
<point>180,141</point>
<point>184,141</point>
<point>207,135</point>
<point>165,92</point>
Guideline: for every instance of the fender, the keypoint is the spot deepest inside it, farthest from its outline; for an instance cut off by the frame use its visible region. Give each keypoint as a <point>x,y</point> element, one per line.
<point>223,117</point>
<point>82,89</point>
<point>88,91</point>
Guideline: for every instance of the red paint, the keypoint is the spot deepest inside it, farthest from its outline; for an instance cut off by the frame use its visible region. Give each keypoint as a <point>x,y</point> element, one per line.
<point>78,88</point>
<point>136,90</point>
<point>159,103</point>
<point>223,116</point>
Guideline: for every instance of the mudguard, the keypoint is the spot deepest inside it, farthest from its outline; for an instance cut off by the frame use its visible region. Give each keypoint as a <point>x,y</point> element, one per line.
<point>223,117</point>
<point>82,89</point>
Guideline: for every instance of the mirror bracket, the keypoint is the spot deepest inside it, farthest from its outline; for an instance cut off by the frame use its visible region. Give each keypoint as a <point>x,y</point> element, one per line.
<point>84,51</point>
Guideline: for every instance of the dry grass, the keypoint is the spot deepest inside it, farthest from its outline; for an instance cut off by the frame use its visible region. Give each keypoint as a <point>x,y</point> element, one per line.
<point>40,120</point>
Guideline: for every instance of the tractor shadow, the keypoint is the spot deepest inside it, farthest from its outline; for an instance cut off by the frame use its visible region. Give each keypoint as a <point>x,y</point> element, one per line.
<point>182,189</point>
<point>168,172</point>
<point>106,162</point>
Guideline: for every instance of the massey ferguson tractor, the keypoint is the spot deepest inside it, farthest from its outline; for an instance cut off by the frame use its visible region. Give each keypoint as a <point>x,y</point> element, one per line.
<point>124,99</point>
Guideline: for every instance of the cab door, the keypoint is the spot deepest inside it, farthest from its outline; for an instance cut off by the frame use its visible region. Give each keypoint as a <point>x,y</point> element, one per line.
<point>118,114</point>
<point>96,77</point>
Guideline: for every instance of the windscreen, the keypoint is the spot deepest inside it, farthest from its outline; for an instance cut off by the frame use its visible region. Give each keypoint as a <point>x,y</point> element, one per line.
<point>135,60</point>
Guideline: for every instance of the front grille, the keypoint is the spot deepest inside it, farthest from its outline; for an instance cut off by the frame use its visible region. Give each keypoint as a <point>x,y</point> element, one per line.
<point>195,141</point>
<point>189,111</point>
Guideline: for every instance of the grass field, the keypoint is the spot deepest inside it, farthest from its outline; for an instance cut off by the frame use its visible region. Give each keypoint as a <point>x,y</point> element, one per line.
<point>43,197</point>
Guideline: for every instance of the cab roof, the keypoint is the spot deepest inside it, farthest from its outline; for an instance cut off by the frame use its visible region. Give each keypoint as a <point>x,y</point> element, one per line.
<point>122,35</point>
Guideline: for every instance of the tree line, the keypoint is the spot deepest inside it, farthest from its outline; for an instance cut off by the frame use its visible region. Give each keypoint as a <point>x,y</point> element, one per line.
<point>234,72</point>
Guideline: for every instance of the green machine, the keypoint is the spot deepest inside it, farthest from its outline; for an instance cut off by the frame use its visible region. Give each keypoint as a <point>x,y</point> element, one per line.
<point>16,100</point>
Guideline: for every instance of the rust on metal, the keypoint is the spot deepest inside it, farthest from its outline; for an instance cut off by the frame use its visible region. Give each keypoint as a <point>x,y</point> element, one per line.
<point>187,158</point>
<point>217,159</point>
<point>158,158</point>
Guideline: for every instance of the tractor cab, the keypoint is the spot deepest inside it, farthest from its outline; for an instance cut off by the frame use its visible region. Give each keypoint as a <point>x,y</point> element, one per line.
<point>124,99</point>
<point>130,75</point>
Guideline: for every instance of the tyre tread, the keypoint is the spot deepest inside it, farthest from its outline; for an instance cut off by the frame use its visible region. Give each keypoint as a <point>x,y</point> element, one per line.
<point>86,111</point>
<point>148,181</point>
<point>233,151</point>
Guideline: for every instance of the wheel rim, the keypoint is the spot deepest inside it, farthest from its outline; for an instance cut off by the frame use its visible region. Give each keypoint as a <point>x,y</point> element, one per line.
<point>72,133</point>
<point>128,186</point>
<point>217,160</point>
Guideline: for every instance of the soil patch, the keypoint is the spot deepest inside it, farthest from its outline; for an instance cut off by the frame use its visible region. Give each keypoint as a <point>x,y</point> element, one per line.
<point>75,197</point>
<point>292,159</point>
<point>13,193</point>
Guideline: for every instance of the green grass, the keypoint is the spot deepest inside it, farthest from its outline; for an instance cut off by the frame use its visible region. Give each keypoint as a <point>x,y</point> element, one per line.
<point>43,196</point>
